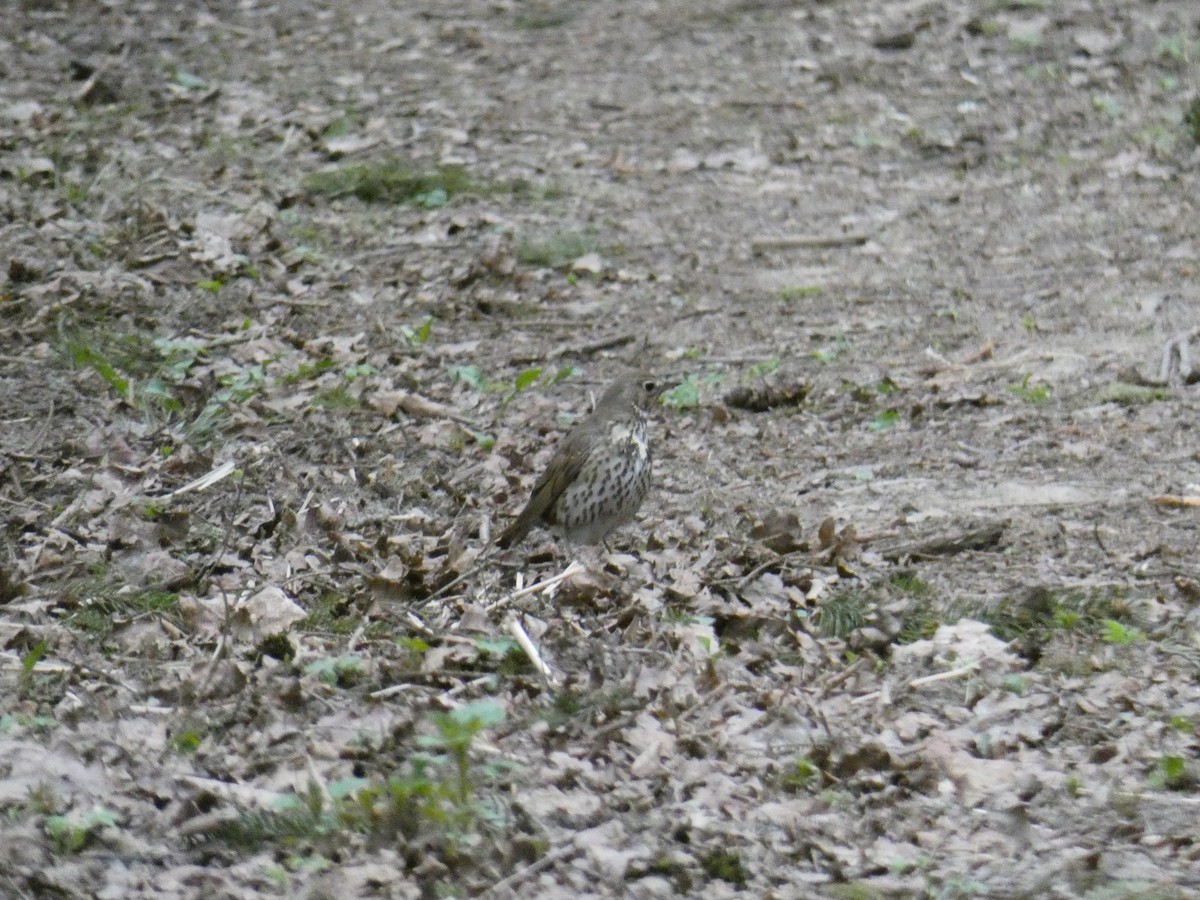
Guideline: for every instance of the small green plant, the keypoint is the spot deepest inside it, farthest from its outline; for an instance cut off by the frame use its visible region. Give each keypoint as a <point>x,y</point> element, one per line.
<point>393,182</point>
<point>726,866</point>
<point>1115,632</point>
<point>103,603</point>
<point>841,613</point>
<point>418,336</point>
<point>362,370</point>
<point>1183,724</point>
<point>416,646</point>
<point>790,294</point>
<point>552,251</point>
<point>1030,393</point>
<point>1171,773</point>
<point>919,622</point>
<point>10,723</point>
<point>1073,786</point>
<point>186,741</point>
<point>338,397</point>
<point>884,421</point>
<point>830,352</point>
<point>911,583</point>
<point>803,774</point>
<point>28,662</point>
<point>343,671</point>
<point>471,375</point>
<point>1176,50</point>
<point>1015,684</point>
<point>763,368</point>
<point>71,835</point>
<point>456,730</point>
<point>1067,619</point>
<point>685,395</point>
<point>524,380</point>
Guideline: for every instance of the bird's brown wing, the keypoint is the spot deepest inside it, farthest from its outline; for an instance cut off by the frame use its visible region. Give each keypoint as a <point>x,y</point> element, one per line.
<point>568,459</point>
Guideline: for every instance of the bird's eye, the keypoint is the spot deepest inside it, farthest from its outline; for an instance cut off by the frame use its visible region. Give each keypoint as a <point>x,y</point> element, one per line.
<point>650,387</point>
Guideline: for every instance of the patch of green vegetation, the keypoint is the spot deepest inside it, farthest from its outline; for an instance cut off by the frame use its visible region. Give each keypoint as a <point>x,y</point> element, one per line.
<point>685,395</point>
<point>501,654</point>
<point>436,805</point>
<point>341,671</point>
<point>338,397</point>
<point>309,370</point>
<point>799,292</point>
<point>186,741</point>
<point>71,834</point>
<point>763,368</point>
<point>554,250</point>
<point>1073,786</point>
<point>98,605</point>
<point>417,337</point>
<point>394,182</point>
<point>841,613</point>
<point>10,723</point>
<point>830,352</point>
<point>415,646</point>
<point>886,420</point>
<point>1074,623</point>
<point>148,374</point>
<point>1178,50</point>
<point>568,707</point>
<point>1015,684</point>
<point>29,660</point>
<point>803,775</point>
<point>919,622</point>
<point>1114,632</point>
<point>1172,773</point>
<point>1031,393</point>
<point>1130,394</point>
<point>1183,724</point>
<point>725,865</point>
<point>331,614</point>
<point>909,582</point>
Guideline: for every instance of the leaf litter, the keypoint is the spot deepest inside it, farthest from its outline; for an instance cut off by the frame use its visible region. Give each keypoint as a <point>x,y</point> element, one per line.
<point>885,626</point>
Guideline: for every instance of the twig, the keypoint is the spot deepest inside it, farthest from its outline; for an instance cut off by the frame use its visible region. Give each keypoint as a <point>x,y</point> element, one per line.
<point>1175,501</point>
<point>570,571</point>
<point>924,680</point>
<point>533,868</point>
<point>518,631</point>
<point>807,241</point>
<point>206,481</point>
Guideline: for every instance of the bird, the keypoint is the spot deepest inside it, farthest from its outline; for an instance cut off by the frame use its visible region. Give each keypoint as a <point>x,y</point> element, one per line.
<point>600,473</point>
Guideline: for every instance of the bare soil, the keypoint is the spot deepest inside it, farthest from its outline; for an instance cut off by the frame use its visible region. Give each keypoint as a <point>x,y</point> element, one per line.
<point>297,297</point>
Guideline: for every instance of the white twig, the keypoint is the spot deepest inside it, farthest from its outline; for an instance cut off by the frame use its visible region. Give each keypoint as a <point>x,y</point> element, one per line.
<point>224,470</point>
<point>569,572</point>
<point>924,680</point>
<point>516,630</point>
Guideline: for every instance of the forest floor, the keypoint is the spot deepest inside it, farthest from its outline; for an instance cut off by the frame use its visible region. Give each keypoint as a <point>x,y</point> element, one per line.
<point>297,298</point>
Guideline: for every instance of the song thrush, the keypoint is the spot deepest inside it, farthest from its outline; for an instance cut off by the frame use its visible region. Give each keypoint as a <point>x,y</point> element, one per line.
<point>600,473</point>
